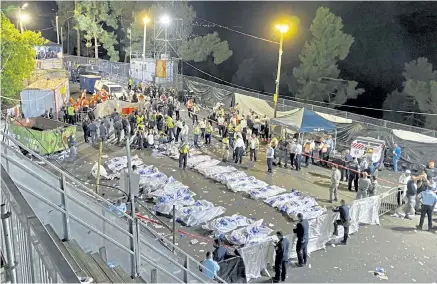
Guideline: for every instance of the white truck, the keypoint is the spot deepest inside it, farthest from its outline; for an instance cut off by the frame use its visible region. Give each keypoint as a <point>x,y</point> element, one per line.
<point>114,90</point>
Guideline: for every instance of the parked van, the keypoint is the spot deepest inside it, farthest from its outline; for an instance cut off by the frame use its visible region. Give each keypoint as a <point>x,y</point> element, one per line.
<point>114,90</point>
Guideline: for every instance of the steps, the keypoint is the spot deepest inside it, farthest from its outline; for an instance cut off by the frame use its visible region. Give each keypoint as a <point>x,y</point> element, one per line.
<point>90,264</point>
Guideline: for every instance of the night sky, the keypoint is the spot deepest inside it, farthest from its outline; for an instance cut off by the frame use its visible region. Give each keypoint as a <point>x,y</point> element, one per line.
<point>387,35</point>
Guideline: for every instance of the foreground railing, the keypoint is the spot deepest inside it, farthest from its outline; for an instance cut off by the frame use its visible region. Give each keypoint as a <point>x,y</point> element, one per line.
<point>389,201</point>
<point>31,254</point>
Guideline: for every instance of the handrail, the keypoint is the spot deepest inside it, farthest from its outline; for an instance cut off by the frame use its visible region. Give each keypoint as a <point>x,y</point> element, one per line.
<point>27,217</point>
<point>79,182</point>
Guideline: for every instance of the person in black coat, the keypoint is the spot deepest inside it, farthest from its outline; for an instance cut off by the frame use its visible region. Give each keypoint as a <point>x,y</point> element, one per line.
<point>343,221</point>
<point>301,232</point>
<point>281,258</point>
<point>220,253</point>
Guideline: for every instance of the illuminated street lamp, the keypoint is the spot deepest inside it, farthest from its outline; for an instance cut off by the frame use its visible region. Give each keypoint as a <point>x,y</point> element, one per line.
<point>22,17</point>
<point>146,20</point>
<point>283,29</point>
<point>165,20</point>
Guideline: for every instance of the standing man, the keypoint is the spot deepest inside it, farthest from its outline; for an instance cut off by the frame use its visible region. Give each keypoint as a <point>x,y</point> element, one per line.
<point>184,132</point>
<point>343,221</point>
<point>85,124</point>
<point>283,155</point>
<point>239,149</point>
<point>202,125</point>
<point>396,156</point>
<point>92,128</point>
<point>103,132</point>
<point>178,129</point>
<point>410,205</point>
<point>196,133</point>
<point>225,149</point>
<point>70,112</point>
<point>208,133</point>
<point>429,200</point>
<point>183,155</point>
<point>298,157</point>
<point>129,84</point>
<point>353,175</point>
<point>364,186</point>
<point>221,125</point>
<point>211,266</point>
<point>254,146</point>
<point>270,156</point>
<point>177,108</point>
<point>335,182</point>
<point>118,127</point>
<point>302,235</point>
<point>281,258</point>
<point>402,188</point>
<point>292,150</point>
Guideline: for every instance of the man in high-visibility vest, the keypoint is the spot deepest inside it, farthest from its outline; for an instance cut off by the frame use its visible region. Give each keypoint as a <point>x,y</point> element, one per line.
<point>196,110</point>
<point>196,133</point>
<point>140,120</point>
<point>129,84</point>
<point>183,155</point>
<point>170,127</point>
<point>208,133</point>
<point>70,112</point>
<point>189,107</point>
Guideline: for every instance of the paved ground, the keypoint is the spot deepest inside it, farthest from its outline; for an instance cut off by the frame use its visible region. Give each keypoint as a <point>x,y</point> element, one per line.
<point>407,256</point>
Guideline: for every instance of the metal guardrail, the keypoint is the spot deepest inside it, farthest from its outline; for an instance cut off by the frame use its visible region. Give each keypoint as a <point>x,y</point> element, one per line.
<point>76,212</point>
<point>389,201</point>
<point>31,254</point>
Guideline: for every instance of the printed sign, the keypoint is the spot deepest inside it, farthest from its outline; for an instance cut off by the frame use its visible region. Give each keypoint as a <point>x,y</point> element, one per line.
<point>357,149</point>
<point>161,69</point>
<point>376,155</point>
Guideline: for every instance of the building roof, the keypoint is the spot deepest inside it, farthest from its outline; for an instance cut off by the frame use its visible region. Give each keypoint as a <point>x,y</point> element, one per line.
<point>46,84</point>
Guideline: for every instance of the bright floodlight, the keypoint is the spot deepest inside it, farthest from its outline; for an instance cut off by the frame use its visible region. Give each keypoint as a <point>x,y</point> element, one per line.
<point>24,17</point>
<point>146,20</point>
<point>282,28</point>
<point>24,6</point>
<point>165,20</point>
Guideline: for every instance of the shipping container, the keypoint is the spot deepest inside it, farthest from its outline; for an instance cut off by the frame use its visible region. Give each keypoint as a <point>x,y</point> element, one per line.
<point>44,95</point>
<point>87,82</point>
<point>42,135</point>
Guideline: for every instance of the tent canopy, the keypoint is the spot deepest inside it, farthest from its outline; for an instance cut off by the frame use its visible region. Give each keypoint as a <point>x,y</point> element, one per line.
<point>304,120</point>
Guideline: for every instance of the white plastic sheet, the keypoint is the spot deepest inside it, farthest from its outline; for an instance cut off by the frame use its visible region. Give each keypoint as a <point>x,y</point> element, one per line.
<point>223,225</point>
<point>117,164</point>
<point>207,164</point>
<point>103,173</point>
<point>225,177</point>
<point>257,258</point>
<point>195,160</point>
<point>279,200</point>
<point>252,234</point>
<point>266,192</point>
<point>164,204</point>
<point>202,211</point>
<point>211,171</point>
<point>245,184</point>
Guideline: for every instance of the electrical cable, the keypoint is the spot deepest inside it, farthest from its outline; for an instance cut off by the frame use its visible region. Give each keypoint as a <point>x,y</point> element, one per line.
<point>242,33</point>
<point>297,99</point>
<point>64,169</point>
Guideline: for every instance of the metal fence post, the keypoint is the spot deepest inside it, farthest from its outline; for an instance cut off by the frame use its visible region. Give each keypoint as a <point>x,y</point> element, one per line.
<point>64,199</point>
<point>174,228</point>
<point>187,266</point>
<point>154,276</point>
<point>11,265</point>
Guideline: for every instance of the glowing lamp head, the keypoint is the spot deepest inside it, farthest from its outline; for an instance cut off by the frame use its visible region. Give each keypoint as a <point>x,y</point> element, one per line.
<point>146,20</point>
<point>282,28</point>
<point>24,17</point>
<point>24,6</point>
<point>165,20</point>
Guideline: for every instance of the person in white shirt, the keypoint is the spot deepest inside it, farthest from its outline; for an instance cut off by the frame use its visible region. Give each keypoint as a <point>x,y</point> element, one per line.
<point>256,126</point>
<point>298,156</point>
<point>254,146</point>
<point>270,156</point>
<point>150,139</point>
<point>177,108</point>
<point>178,129</point>
<point>221,125</point>
<point>335,182</point>
<point>248,134</point>
<point>239,149</point>
<point>184,131</point>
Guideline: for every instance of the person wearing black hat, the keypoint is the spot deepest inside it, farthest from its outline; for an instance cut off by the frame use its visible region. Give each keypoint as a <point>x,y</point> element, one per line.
<point>281,258</point>
<point>302,235</point>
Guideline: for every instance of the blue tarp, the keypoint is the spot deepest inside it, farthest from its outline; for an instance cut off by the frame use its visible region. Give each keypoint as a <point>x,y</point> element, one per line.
<point>304,120</point>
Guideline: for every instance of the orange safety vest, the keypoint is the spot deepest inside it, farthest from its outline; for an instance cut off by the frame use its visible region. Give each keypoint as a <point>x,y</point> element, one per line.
<point>83,95</point>
<point>85,102</point>
<point>71,100</point>
<point>104,97</point>
<point>307,147</point>
<point>324,148</point>
<point>141,97</point>
<point>98,96</point>
<point>77,106</point>
<point>189,104</point>
<point>237,119</point>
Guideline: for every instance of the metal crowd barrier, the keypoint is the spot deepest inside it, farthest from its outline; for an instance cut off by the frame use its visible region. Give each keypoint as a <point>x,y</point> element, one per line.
<point>389,201</point>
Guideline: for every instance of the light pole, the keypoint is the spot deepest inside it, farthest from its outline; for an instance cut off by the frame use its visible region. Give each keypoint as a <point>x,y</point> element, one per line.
<point>146,21</point>
<point>282,30</point>
<point>57,28</point>
<point>165,20</point>
<point>22,17</point>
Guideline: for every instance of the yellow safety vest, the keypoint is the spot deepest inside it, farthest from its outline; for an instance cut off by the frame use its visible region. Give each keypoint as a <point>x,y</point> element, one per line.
<point>170,123</point>
<point>184,149</point>
<point>140,119</point>
<point>225,140</point>
<point>208,129</point>
<point>130,82</point>
<point>153,117</point>
<point>196,130</point>
<point>230,127</point>
<point>70,110</point>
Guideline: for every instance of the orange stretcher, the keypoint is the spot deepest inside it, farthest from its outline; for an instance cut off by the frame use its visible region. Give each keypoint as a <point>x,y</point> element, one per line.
<point>127,110</point>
